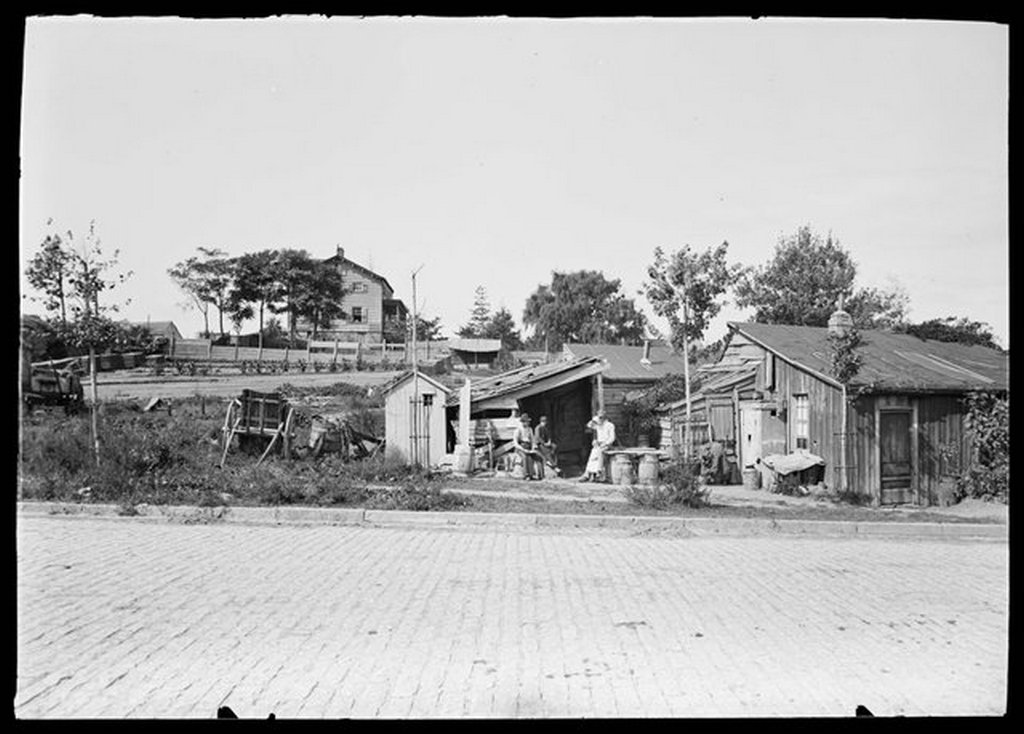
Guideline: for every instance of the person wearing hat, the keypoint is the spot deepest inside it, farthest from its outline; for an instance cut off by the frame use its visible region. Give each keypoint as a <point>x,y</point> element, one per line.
<point>604,437</point>
<point>523,440</point>
<point>546,445</point>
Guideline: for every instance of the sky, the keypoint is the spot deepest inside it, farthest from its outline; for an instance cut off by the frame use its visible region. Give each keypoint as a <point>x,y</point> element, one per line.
<point>492,152</point>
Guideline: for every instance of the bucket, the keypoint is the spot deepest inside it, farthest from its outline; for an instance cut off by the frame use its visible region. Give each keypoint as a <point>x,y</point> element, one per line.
<point>751,478</point>
<point>648,471</point>
<point>622,470</point>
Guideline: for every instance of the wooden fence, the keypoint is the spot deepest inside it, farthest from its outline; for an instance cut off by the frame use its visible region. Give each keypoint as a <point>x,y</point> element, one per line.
<point>315,351</point>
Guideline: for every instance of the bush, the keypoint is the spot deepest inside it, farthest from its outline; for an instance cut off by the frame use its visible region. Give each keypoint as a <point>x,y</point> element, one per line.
<point>679,485</point>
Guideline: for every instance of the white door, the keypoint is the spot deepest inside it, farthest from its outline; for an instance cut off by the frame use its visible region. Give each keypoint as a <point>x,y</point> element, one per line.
<point>750,435</point>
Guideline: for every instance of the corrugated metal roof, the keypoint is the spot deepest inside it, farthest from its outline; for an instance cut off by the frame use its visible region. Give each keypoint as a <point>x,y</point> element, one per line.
<point>625,363</point>
<point>520,381</point>
<point>898,362</point>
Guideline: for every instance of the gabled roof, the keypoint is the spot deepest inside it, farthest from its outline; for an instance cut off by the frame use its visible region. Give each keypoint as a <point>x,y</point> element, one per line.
<point>404,377</point>
<point>529,380</point>
<point>890,362</point>
<point>625,363</point>
<point>157,327</point>
<point>341,259</point>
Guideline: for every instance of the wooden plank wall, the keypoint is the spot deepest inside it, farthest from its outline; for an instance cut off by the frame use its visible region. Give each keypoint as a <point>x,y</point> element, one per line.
<point>825,403</point>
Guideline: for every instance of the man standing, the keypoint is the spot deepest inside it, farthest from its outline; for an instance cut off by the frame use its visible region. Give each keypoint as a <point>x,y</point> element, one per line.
<point>604,437</point>
<point>522,439</point>
<point>545,444</point>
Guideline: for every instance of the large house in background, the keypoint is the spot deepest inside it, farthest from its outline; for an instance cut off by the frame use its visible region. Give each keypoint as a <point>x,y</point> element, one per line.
<point>369,305</point>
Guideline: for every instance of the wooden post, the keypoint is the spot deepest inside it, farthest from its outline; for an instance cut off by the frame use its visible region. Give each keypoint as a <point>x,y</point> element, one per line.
<point>464,413</point>
<point>209,350</point>
<point>95,406</point>
<point>236,346</point>
<point>600,391</point>
<point>335,349</point>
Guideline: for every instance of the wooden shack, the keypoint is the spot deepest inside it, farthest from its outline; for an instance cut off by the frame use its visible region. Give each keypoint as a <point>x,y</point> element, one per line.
<point>629,369</point>
<point>560,390</point>
<point>414,419</point>
<point>894,434</point>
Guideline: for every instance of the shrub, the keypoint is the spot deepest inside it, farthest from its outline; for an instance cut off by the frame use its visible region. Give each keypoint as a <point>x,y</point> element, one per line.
<point>679,485</point>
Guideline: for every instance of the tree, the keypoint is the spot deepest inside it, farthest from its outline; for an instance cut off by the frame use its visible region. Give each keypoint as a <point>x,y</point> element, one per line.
<point>48,272</point>
<point>479,317</point>
<point>802,282</point>
<point>293,272</point>
<point>427,330</point>
<point>952,329</point>
<point>501,326</point>
<point>807,277</point>
<point>582,306</point>
<point>255,287</point>
<point>320,298</point>
<point>685,288</point>
<point>207,281</point>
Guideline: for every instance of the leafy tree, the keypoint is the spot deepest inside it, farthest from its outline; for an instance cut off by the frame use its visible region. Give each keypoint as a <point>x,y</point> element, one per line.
<point>255,289</point>
<point>320,297</point>
<point>685,288</point>
<point>397,330</point>
<point>875,308</point>
<point>293,271</point>
<point>502,326</point>
<point>206,279</point>
<point>801,284</point>
<point>48,272</point>
<point>805,280</point>
<point>952,329</point>
<point>583,306</point>
<point>479,317</point>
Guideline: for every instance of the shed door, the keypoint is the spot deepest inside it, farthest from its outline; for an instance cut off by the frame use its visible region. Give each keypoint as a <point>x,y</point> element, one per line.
<point>750,434</point>
<point>895,456</point>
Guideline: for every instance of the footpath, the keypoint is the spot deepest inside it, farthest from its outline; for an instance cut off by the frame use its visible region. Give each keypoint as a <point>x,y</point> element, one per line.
<point>968,520</point>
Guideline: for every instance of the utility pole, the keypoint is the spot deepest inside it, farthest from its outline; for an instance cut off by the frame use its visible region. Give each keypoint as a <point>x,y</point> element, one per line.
<point>415,447</point>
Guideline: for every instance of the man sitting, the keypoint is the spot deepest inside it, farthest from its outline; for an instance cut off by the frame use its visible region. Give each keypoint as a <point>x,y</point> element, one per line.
<point>545,445</point>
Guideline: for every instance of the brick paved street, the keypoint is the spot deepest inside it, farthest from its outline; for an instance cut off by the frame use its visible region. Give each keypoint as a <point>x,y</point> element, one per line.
<point>120,618</point>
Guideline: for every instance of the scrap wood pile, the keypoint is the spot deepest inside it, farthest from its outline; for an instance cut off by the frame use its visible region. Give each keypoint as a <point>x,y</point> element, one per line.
<point>335,433</point>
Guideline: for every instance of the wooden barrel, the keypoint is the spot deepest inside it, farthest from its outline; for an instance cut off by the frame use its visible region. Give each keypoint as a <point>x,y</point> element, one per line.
<point>622,470</point>
<point>648,471</point>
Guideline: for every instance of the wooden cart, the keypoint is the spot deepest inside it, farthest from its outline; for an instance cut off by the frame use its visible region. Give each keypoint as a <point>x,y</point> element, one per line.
<point>258,418</point>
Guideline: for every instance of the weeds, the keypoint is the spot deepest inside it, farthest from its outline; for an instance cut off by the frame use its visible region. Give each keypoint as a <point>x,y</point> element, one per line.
<point>679,485</point>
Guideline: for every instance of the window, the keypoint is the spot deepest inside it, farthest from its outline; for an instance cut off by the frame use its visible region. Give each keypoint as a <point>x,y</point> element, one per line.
<point>357,314</point>
<point>359,287</point>
<point>801,421</point>
<point>428,399</point>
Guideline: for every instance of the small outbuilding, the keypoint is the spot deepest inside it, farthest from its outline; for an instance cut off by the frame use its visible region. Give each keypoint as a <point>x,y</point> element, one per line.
<point>414,419</point>
<point>474,353</point>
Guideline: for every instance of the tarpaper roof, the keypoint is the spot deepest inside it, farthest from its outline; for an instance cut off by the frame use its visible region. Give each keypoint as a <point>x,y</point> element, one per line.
<point>625,363</point>
<point>890,362</point>
<point>530,380</point>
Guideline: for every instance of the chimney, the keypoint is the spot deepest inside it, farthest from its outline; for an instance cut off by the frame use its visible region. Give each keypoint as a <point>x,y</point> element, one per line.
<point>341,252</point>
<point>646,359</point>
<point>840,322</point>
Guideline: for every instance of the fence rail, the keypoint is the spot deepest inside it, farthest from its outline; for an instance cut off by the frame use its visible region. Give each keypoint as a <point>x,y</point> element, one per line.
<point>315,351</point>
